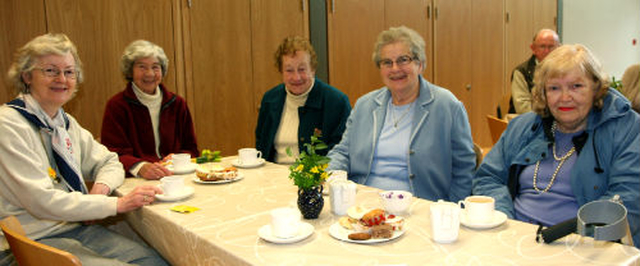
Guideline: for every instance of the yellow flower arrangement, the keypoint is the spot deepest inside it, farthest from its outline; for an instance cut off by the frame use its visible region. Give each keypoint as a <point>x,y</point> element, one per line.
<point>308,171</point>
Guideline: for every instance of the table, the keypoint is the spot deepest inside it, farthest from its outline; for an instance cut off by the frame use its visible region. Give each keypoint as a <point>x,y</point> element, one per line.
<point>224,232</point>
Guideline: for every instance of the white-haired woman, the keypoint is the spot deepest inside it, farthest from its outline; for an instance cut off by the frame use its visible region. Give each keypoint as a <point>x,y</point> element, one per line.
<point>409,135</point>
<point>46,157</point>
<point>146,123</point>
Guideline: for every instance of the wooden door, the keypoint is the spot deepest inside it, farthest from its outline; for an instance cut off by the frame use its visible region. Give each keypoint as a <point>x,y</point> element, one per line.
<point>353,26</point>
<point>487,57</point>
<point>218,61</point>
<point>20,21</point>
<point>518,35</point>
<point>545,13</point>
<point>415,14</point>
<point>452,49</point>
<point>271,22</point>
<point>101,30</point>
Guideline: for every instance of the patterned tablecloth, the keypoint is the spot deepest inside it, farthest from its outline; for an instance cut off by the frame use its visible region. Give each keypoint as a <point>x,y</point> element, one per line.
<point>225,232</point>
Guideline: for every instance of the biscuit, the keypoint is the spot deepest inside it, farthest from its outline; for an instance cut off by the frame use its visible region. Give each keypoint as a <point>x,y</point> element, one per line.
<point>360,236</point>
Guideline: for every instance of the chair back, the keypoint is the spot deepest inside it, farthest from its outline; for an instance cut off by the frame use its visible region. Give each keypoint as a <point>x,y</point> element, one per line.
<point>496,127</point>
<point>28,252</point>
<point>479,154</point>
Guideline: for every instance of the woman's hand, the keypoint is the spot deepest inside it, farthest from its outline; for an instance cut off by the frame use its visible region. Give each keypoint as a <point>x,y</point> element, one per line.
<point>140,196</point>
<point>153,171</point>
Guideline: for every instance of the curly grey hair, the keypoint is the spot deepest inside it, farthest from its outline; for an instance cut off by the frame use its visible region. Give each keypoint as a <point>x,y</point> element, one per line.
<point>142,49</point>
<point>26,58</point>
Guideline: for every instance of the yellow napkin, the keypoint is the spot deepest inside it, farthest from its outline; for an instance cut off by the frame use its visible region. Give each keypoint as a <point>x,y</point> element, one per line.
<point>184,209</point>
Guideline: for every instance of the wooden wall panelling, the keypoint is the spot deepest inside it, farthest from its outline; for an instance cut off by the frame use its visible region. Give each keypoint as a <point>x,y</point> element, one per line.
<point>220,66</point>
<point>518,36</point>
<point>101,30</point>
<point>271,22</point>
<point>545,14</point>
<point>20,21</point>
<point>452,49</point>
<point>487,63</point>
<point>353,26</point>
<point>415,14</point>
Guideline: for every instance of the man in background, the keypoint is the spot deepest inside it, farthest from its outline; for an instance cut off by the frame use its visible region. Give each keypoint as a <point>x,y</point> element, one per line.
<point>544,42</point>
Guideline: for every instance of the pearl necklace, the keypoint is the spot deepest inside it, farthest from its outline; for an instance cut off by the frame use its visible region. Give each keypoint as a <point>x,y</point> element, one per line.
<point>555,157</point>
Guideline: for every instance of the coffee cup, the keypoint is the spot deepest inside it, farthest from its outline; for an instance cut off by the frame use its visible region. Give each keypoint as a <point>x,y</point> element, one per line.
<point>249,156</point>
<point>172,185</point>
<point>285,222</point>
<point>445,221</point>
<point>478,209</point>
<point>181,161</point>
<point>343,195</point>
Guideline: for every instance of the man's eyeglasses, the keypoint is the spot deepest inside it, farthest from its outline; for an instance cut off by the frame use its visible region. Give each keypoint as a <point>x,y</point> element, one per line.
<point>400,61</point>
<point>53,72</point>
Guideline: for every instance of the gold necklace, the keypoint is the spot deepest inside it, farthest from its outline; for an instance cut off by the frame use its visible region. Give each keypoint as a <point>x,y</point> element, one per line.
<point>555,173</point>
<point>393,116</point>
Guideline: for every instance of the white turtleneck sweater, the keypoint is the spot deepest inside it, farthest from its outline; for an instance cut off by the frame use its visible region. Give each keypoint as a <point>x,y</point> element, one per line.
<point>153,102</point>
<point>287,134</point>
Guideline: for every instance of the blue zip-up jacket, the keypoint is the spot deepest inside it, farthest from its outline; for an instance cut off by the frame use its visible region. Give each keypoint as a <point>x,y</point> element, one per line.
<point>608,160</point>
<point>441,157</point>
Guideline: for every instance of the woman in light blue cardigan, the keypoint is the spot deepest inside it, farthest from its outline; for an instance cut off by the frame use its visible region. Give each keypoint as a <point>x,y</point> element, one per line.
<point>409,135</point>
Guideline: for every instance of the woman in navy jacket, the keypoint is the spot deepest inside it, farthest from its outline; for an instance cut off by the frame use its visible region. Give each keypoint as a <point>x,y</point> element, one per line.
<point>293,110</point>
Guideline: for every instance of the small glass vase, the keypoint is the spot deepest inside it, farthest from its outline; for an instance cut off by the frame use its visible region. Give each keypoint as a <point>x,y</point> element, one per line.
<point>310,202</point>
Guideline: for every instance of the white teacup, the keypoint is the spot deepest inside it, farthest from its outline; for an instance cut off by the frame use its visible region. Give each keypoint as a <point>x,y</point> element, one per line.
<point>249,156</point>
<point>181,161</point>
<point>445,221</point>
<point>285,222</point>
<point>478,209</point>
<point>172,185</point>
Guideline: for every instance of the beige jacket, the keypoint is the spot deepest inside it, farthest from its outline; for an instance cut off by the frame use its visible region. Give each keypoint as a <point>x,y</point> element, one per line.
<point>43,206</point>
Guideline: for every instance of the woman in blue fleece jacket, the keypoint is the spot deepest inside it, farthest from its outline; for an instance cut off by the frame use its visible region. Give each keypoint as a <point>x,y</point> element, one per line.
<point>581,143</point>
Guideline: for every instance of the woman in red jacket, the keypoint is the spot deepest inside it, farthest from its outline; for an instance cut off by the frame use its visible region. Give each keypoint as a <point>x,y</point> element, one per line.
<point>146,123</point>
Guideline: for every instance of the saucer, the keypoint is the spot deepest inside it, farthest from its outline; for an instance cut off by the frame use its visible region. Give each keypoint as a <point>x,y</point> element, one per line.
<point>305,231</point>
<point>498,218</point>
<point>257,163</point>
<point>189,169</point>
<point>186,192</point>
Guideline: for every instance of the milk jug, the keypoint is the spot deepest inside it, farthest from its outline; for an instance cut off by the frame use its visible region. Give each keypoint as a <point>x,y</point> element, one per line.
<point>343,195</point>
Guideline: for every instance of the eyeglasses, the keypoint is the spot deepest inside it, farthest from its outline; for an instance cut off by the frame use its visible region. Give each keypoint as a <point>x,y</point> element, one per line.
<point>53,72</point>
<point>400,61</point>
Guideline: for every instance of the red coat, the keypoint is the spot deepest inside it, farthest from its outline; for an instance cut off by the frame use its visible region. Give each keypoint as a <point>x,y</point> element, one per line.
<point>127,130</point>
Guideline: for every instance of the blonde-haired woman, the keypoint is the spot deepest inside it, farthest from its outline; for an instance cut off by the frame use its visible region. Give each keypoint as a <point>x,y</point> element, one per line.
<point>580,143</point>
<point>46,157</point>
<point>146,123</point>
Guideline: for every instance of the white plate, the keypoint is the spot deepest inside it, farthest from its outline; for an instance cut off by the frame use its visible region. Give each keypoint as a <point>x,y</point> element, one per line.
<point>498,218</point>
<point>186,192</point>
<point>258,162</point>
<point>338,232</point>
<point>238,177</point>
<point>190,169</point>
<point>305,231</point>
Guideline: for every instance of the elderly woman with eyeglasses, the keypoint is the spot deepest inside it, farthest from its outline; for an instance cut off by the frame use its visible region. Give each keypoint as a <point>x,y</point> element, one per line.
<point>581,143</point>
<point>409,135</point>
<point>47,156</point>
<point>146,123</point>
<point>291,112</point>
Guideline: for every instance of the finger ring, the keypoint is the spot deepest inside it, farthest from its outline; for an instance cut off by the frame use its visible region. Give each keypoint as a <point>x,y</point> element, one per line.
<point>144,198</point>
